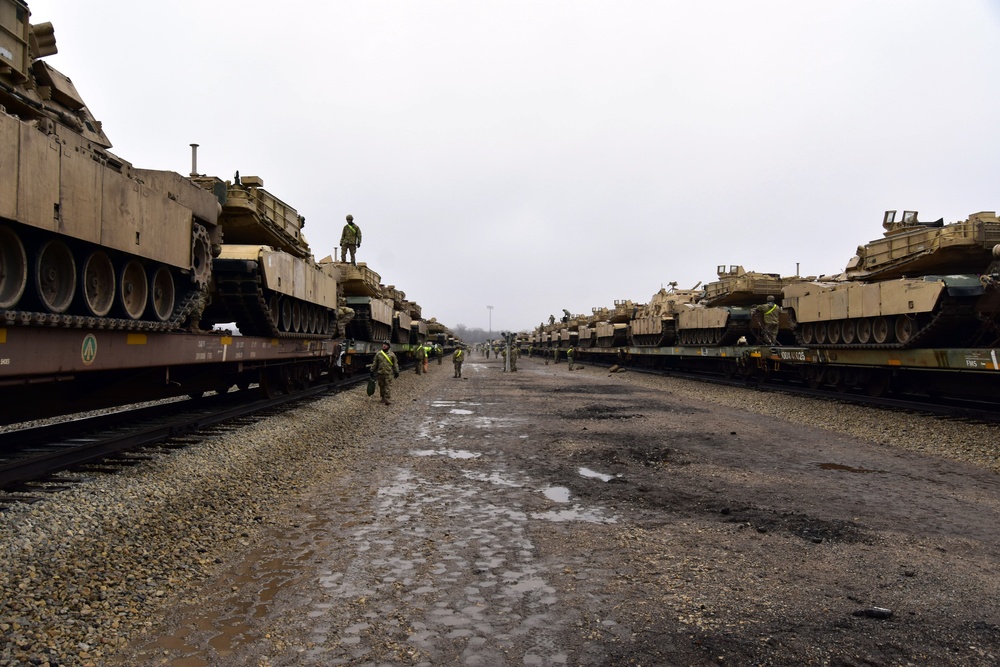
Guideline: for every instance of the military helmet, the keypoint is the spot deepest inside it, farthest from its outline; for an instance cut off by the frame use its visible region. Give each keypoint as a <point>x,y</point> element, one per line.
<point>350,218</point>
<point>770,298</point>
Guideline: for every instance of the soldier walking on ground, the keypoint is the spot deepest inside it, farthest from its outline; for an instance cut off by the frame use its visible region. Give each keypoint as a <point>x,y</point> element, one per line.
<point>385,367</point>
<point>458,357</point>
<point>350,240</point>
<point>771,317</point>
<point>514,354</point>
<point>570,356</point>
<point>421,355</point>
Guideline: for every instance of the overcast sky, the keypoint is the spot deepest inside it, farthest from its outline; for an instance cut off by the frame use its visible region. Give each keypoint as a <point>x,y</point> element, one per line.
<point>540,155</point>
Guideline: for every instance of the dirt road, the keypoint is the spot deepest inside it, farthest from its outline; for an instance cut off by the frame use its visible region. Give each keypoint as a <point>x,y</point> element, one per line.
<point>552,518</point>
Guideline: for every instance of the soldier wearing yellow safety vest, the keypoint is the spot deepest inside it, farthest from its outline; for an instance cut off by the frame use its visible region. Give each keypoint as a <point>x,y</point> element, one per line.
<point>770,317</point>
<point>570,357</point>
<point>420,354</point>
<point>458,357</point>
<point>385,367</point>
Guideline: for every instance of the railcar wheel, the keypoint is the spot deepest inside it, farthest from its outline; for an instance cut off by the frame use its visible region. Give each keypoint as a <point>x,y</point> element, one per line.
<point>13,268</point>
<point>877,383</point>
<point>162,294</point>
<point>906,328</point>
<point>133,290</point>
<point>97,283</point>
<point>848,331</point>
<point>864,331</point>
<point>835,377</point>
<point>881,331</point>
<point>55,276</point>
<point>814,378</point>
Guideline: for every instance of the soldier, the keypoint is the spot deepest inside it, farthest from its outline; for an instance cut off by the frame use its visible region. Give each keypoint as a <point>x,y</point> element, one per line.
<point>514,354</point>
<point>421,355</point>
<point>427,356</point>
<point>439,353</point>
<point>350,240</point>
<point>770,315</point>
<point>458,357</point>
<point>385,367</point>
<point>570,356</point>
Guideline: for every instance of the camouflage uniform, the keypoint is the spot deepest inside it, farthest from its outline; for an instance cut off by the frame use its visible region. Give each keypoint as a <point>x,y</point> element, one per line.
<point>350,240</point>
<point>421,355</point>
<point>770,318</point>
<point>385,367</point>
<point>570,356</point>
<point>458,357</point>
<point>514,354</point>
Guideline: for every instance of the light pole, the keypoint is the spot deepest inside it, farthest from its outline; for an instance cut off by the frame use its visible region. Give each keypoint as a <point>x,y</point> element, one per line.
<point>490,337</point>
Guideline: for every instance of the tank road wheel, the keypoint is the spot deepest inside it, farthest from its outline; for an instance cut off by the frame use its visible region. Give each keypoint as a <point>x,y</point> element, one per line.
<point>296,316</point>
<point>313,318</point>
<point>821,332</point>
<point>833,332</point>
<point>808,333</point>
<point>848,331</point>
<point>13,268</point>
<point>864,331</point>
<point>133,290</point>
<point>906,328</point>
<point>286,314</point>
<point>97,283</point>
<point>161,296</point>
<point>55,276</point>
<point>881,331</point>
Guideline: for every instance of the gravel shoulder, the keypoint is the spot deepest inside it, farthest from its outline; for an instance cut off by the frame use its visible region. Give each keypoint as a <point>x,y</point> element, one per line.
<point>540,517</point>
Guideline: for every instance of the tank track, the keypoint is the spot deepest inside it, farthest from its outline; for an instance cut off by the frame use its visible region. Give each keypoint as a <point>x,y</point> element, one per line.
<point>182,310</point>
<point>246,304</point>
<point>721,337</point>
<point>948,318</point>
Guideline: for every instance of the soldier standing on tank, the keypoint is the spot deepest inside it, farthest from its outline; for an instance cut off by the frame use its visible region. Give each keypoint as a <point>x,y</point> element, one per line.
<point>350,240</point>
<point>770,316</point>
<point>385,367</point>
<point>458,357</point>
<point>570,356</point>
<point>421,355</point>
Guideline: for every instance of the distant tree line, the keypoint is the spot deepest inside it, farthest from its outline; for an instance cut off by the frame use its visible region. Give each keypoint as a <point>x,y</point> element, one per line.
<point>472,334</point>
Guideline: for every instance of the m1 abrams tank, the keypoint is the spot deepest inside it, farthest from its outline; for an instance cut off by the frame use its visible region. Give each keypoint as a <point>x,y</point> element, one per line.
<point>87,240</point>
<point>613,331</point>
<point>725,313</point>
<point>373,314</point>
<point>265,279</point>
<point>655,323</point>
<point>921,284</point>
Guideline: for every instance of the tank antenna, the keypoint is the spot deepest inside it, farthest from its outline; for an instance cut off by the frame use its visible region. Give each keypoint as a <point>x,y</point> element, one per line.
<point>194,159</point>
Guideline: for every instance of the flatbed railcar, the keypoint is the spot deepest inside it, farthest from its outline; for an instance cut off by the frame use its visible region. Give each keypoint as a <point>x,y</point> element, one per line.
<point>972,373</point>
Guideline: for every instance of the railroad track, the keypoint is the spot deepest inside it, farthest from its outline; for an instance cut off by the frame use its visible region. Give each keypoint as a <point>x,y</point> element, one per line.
<point>32,460</point>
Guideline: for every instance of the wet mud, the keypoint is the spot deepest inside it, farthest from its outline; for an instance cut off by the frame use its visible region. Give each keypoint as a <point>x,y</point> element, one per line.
<point>552,518</point>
